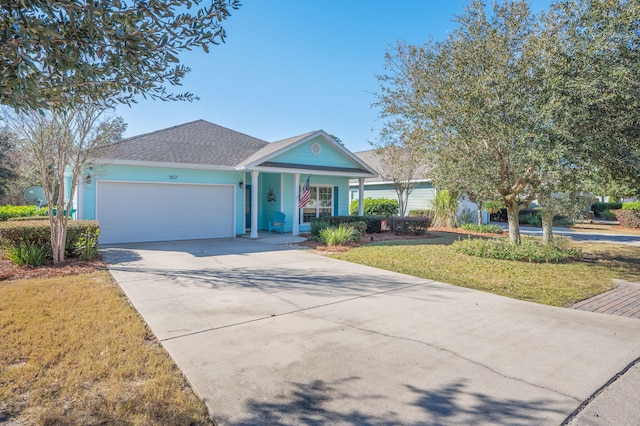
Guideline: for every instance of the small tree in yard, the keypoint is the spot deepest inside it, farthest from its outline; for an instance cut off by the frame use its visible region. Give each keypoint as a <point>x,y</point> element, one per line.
<point>58,144</point>
<point>403,164</point>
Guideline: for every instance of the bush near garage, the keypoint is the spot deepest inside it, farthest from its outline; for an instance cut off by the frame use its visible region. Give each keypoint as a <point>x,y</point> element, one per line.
<point>373,223</point>
<point>38,233</point>
<point>410,225</point>
<point>375,206</point>
<point>421,213</point>
<point>8,212</point>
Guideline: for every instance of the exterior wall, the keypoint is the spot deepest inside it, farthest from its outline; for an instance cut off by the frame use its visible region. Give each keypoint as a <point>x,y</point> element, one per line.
<point>328,156</point>
<point>160,175</point>
<point>420,197</point>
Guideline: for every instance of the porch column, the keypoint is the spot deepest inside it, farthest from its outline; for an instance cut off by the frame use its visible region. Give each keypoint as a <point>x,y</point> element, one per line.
<point>254,204</point>
<point>282,192</point>
<point>296,198</point>
<point>360,196</point>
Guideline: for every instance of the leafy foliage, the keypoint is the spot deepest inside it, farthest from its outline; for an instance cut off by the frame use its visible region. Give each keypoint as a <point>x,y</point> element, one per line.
<point>373,224</point>
<point>103,52</point>
<point>38,233</point>
<point>445,208</point>
<point>29,254</point>
<point>634,205</point>
<point>466,216</point>
<point>410,225</point>
<point>488,229</point>
<point>316,227</point>
<point>608,215</point>
<point>421,213</point>
<point>628,218</point>
<point>86,246</point>
<point>8,212</point>
<point>530,250</point>
<point>339,236</point>
<point>600,207</point>
<point>375,206</point>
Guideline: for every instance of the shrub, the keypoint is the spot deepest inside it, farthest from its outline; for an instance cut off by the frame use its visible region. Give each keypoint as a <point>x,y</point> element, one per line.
<point>487,229</point>
<point>32,218</point>
<point>86,247</point>
<point>607,215</point>
<point>635,205</point>
<point>316,227</point>
<point>628,218</point>
<point>421,213</point>
<point>339,236</point>
<point>598,208</point>
<point>38,233</point>
<point>7,212</point>
<point>375,206</point>
<point>467,216</point>
<point>445,207</point>
<point>373,223</point>
<point>530,250</point>
<point>410,225</point>
<point>30,254</point>
<point>531,219</point>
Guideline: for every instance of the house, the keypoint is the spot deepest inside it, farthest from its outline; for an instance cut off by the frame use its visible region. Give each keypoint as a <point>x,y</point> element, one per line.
<point>200,180</point>
<point>420,198</point>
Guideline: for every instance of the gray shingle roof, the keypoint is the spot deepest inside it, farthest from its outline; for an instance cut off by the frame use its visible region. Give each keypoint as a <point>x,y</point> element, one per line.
<point>198,142</point>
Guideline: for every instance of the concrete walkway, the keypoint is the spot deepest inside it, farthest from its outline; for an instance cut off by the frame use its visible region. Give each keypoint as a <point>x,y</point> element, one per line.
<point>273,335</point>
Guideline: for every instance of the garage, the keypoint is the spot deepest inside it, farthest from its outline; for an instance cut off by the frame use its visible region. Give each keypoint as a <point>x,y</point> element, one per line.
<point>130,212</point>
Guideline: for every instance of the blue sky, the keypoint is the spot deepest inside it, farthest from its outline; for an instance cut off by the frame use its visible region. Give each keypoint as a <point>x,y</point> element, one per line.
<point>292,66</point>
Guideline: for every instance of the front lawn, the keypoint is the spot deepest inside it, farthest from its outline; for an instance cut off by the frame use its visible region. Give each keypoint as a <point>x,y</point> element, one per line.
<point>74,351</point>
<point>549,284</point>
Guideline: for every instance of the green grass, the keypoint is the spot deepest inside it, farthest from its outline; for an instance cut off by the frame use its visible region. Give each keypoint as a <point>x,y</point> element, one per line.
<point>546,283</point>
<point>74,351</point>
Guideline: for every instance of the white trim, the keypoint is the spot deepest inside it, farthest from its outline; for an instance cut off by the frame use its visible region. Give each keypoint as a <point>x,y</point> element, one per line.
<point>281,192</point>
<point>310,171</point>
<point>163,165</point>
<point>386,182</point>
<point>333,198</point>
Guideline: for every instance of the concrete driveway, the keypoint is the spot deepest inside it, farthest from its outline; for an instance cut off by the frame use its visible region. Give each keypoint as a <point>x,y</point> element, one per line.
<point>273,335</point>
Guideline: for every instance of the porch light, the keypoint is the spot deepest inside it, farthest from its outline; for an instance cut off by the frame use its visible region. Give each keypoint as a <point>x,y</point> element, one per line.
<point>241,184</point>
<point>271,196</point>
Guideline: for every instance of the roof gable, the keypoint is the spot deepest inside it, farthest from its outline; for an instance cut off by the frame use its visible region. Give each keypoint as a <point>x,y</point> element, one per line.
<point>310,151</point>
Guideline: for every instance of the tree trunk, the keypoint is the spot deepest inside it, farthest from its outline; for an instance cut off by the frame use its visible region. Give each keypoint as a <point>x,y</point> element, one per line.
<point>547,226</point>
<point>479,203</point>
<point>513,209</point>
<point>58,235</point>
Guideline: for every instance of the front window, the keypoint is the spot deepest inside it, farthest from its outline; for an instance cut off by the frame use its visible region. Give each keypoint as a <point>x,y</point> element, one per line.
<point>320,204</point>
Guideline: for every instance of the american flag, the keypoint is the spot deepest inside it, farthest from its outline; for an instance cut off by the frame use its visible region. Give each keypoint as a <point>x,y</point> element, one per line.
<point>305,196</point>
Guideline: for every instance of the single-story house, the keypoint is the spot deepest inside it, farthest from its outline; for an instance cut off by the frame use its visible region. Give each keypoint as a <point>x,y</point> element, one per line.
<point>200,180</point>
<point>420,198</point>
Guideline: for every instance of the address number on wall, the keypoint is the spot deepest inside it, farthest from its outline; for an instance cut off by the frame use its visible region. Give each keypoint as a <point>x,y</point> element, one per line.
<point>173,177</point>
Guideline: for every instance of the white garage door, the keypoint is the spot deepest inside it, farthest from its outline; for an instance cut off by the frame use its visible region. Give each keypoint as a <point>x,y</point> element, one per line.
<point>138,212</point>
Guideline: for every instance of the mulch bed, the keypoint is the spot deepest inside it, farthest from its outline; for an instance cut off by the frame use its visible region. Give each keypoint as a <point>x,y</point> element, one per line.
<point>9,271</point>
<point>386,236</point>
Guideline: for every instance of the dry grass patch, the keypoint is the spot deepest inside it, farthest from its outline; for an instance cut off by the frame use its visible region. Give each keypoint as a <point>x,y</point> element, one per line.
<point>73,351</point>
<point>550,284</point>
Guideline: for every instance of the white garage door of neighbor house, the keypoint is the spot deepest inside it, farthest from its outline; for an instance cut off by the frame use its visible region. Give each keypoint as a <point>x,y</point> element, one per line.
<point>131,212</point>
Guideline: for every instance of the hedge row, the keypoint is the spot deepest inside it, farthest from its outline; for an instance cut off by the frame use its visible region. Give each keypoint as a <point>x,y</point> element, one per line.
<point>8,212</point>
<point>421,213</point>
<point>38,233</point>
<point>375,206</point>
<point>600,207</point>
<point>410,225</point>
<point>635,205</point>
<point>374,223</point>
<point>628,218</point>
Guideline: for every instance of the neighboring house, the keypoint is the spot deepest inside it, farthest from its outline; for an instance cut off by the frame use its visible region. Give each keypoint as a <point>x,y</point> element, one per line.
<point>200,180</point>
<point>377,187</point>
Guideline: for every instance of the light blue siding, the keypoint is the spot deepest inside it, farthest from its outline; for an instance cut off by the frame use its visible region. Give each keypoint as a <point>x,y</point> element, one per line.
<point>328,156</point>
<point>420,198</point>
